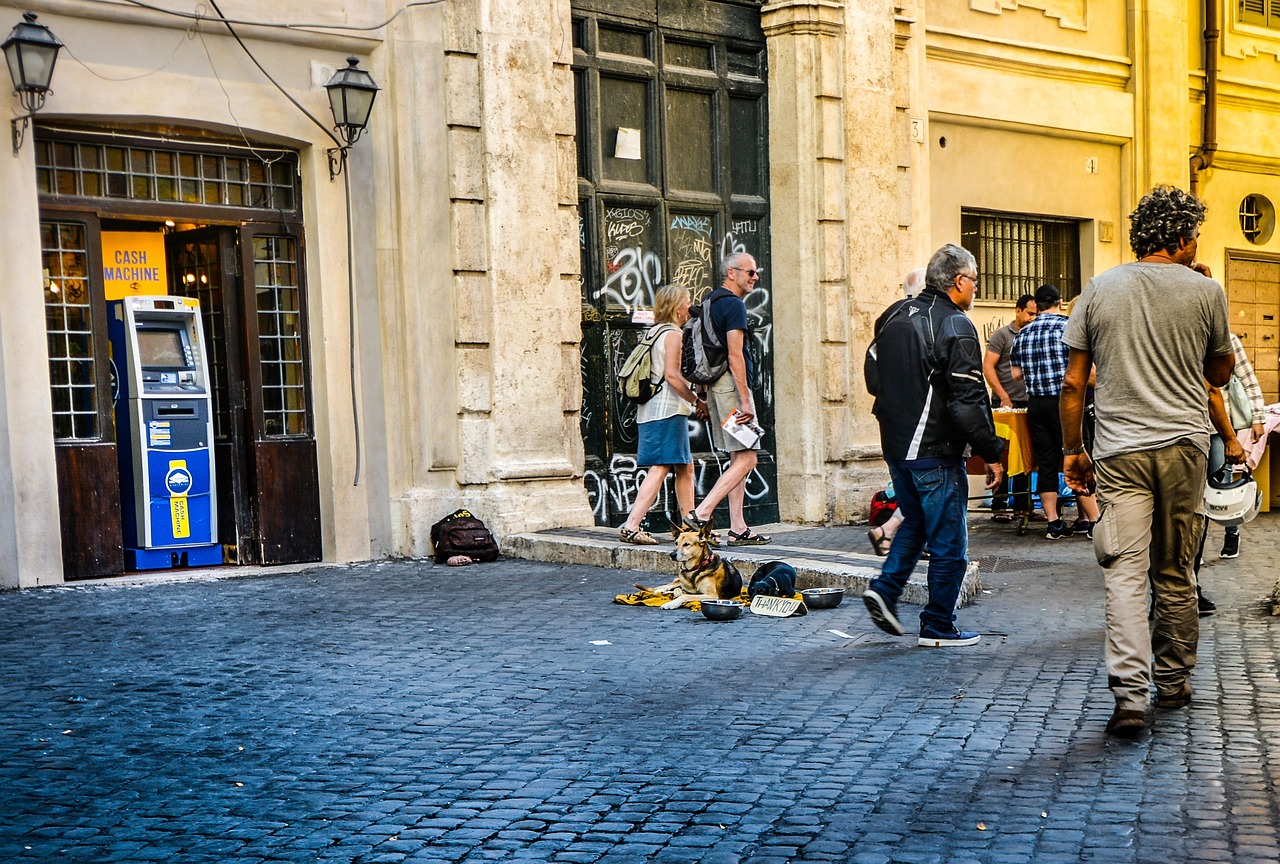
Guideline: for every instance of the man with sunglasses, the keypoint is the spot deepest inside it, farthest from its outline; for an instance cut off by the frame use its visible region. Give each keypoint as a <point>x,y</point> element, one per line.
<point>732,393</point>
<point>925,372</point>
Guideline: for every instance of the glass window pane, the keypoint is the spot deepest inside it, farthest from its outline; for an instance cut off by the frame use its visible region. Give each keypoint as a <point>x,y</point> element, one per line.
<point>626,42</point>
<point>690,155</point>
<point>688,55</point>
<point>624,129</point>
<point>746,144</point>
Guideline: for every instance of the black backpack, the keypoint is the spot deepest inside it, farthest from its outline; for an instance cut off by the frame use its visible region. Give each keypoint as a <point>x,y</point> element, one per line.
<point>704,357</point>
<point>460,533</point>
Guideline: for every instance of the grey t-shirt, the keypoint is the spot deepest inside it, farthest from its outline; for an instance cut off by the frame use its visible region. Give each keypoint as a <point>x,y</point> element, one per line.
<point>1150,328</point>
<point>1001,342</point>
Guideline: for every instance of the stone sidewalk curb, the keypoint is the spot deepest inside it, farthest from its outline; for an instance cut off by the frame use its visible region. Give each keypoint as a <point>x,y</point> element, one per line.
<point>815,568</point>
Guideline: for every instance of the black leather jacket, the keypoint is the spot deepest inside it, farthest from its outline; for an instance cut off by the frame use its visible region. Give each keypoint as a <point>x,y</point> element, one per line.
<point>933,399</point>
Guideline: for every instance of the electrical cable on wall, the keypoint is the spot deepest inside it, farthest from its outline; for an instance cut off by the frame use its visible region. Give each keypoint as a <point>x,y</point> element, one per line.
<point>223,19</point>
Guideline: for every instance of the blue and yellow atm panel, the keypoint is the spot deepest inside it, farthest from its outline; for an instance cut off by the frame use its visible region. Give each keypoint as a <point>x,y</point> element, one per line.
<point>164,430</point>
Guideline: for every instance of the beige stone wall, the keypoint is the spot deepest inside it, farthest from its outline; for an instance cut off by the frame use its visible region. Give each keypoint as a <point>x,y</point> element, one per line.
<point>491,419</point>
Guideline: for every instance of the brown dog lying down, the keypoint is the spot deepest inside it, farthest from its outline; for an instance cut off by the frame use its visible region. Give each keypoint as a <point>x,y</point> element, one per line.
<point>703,575</point>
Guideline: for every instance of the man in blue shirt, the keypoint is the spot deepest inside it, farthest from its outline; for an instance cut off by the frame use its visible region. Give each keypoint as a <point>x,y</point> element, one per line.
<point>1039,359</point>
<point>732,393</point>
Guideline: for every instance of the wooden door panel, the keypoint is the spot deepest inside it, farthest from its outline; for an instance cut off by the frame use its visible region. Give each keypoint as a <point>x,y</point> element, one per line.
<point>89,510</point>
<point>287,504</point>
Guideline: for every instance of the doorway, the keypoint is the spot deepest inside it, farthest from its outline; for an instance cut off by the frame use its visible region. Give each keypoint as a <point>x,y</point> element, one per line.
<point>1253,294</point>
<point>672,178</point>
<point>230,227</point>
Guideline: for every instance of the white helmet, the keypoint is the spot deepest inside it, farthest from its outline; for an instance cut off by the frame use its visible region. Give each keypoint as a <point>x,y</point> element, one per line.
<point>1231,499</point>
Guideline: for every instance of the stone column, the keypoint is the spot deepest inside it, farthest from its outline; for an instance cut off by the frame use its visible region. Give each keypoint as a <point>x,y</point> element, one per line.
<point>835,216</point>
<point>1162,106</point>
<point>30,536</point>
<point>499,413</point>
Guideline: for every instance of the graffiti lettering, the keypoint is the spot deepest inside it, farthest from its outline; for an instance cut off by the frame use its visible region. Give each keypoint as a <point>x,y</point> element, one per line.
<point>634,275</point>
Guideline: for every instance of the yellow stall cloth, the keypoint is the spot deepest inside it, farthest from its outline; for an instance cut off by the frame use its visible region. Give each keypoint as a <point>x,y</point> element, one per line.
<point>1011,425</point>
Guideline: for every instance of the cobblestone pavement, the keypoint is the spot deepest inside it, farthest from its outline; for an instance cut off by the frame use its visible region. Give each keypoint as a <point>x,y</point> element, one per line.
<point>405,712</point>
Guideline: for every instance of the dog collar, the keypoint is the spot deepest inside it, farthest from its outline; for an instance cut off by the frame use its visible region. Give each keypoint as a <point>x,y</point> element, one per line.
<point>709,563</point>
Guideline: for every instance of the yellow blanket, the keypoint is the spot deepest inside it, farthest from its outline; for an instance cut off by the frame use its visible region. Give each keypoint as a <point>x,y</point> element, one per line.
<point>652,598</point>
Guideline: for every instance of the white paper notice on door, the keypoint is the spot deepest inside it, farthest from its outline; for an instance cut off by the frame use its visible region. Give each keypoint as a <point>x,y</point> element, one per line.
<point>628,145</point>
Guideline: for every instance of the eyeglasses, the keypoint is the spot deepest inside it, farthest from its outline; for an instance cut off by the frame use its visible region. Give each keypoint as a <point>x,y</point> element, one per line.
<point>751,273</point>
<point>973,279</point>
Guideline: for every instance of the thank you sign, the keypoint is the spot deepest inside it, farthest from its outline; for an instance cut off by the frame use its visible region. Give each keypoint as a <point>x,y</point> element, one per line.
<point>133,263</point>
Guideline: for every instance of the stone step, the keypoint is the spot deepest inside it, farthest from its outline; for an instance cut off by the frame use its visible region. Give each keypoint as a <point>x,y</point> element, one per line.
<point>815,567</point>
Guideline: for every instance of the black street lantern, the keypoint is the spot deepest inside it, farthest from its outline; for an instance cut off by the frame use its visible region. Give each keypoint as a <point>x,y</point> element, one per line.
<point>31,50</point>
<point>351,93</point>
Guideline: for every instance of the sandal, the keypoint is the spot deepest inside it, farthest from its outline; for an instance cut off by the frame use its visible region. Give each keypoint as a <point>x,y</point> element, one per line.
<point>879,542</point>
<point>1002,517</point>
<point>693,523</point>
<point>749,538</point>
<point>640,537</point>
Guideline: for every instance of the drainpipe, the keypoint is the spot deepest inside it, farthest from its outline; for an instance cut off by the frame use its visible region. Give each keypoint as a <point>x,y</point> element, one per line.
<point>1203,157</point>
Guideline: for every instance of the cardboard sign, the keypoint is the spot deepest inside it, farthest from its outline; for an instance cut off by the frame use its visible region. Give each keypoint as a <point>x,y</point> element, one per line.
<point>774,607</point>
<point>133,263</point>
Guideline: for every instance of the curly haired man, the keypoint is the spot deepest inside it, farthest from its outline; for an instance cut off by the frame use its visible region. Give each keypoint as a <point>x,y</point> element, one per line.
<point>1157,330</point>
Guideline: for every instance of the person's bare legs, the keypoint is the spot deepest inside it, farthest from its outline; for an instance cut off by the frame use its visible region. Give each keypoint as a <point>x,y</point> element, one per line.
<point>684,489</point>
<point>1049,501</point>
<point>731,482</point>
<point>1088,506</point>
<point>648,493</point>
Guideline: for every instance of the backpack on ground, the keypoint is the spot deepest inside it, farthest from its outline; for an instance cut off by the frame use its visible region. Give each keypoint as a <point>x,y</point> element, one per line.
<point>635,378</point>
<point>703,356</point>
<point>460,533</point>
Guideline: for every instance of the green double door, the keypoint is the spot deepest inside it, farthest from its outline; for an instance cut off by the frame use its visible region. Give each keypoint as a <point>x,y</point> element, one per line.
<point>672,177</point>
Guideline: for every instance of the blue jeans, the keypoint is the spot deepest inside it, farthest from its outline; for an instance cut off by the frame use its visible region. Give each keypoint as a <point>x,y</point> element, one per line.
<point>933,502</point>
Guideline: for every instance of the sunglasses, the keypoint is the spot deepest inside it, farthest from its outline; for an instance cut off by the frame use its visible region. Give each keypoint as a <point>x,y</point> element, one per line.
<point>751,273</point>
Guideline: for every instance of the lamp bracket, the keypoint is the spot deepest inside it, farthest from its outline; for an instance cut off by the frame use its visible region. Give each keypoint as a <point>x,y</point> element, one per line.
<point>19,128</point>
<point>337,161</point>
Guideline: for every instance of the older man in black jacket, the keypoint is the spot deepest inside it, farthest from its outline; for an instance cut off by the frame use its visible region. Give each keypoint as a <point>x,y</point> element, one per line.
<point>925,370</point>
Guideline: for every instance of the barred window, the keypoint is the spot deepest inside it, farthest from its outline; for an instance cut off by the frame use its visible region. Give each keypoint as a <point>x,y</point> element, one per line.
<point>79,169</point>
<point>284,384</point>
<point>69,326</point>
<point>1018,253</point>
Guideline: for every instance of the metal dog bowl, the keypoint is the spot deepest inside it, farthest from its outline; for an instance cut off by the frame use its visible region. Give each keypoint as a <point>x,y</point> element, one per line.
<point>721,610</point>
<point>822,598</point>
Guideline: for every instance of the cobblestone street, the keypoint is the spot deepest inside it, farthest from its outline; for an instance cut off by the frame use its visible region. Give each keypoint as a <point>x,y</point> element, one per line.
<point>407,712</point>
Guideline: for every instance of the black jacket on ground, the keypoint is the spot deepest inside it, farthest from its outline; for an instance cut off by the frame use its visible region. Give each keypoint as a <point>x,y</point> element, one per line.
<point>932,403</point>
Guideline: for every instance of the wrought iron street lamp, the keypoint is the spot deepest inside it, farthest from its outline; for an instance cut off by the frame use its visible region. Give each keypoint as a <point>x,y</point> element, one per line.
<point>351,95</point>
<point>31,52</point>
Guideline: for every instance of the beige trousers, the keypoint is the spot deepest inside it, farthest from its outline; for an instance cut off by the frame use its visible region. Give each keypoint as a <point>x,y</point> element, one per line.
<point>1146,541</point>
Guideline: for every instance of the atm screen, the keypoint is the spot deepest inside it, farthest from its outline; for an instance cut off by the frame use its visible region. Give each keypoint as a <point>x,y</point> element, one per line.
<point>161,348</point>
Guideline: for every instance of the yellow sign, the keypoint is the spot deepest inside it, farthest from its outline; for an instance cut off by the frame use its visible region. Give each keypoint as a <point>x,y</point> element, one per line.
<point>133,263</point>
<point>181,517</point>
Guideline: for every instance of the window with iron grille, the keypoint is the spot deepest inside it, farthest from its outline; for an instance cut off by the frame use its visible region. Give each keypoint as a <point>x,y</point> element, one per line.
<point>1018,253</point>
<point>284,383</point>
<point>149,173</point>
<point>69,327</point>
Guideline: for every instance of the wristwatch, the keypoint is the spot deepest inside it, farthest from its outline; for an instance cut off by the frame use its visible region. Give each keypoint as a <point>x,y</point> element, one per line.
<point>1072,451</point>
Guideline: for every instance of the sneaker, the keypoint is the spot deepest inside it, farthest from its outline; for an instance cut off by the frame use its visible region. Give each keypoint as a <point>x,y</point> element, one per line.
<point>882,614</point>
<point>1082,528</point>
<point>1204,604</point>
<point>954,639</point>
<point>1126,722</point>
<point>1230,546</point>
<point>1057,530</point>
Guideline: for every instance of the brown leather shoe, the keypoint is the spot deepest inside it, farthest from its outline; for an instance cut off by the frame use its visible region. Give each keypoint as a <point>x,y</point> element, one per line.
<point>1177,699</point>
<point>1126,723</point>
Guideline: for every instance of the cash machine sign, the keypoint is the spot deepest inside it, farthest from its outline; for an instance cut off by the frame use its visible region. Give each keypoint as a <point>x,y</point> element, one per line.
<point>178,481</point>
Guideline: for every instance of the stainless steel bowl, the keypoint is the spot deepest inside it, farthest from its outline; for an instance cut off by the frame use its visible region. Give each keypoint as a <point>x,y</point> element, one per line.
<point>721,610</point>
<point>822,598</point>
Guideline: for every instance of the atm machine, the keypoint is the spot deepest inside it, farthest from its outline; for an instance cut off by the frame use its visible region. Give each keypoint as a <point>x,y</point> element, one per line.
<point>164,431</point>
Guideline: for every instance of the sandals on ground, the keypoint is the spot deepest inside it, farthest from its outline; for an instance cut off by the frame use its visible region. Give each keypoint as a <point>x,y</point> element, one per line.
<point>748,538</point>
<point>879,542</point>
<point>639,537</point>
<point>1002,517</point>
